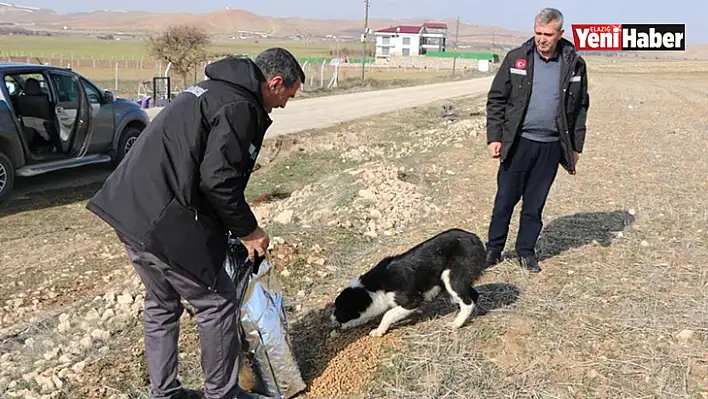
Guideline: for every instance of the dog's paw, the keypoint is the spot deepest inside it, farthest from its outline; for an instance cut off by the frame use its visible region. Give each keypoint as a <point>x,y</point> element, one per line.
<point>454,325</point>
<point>377,333</point>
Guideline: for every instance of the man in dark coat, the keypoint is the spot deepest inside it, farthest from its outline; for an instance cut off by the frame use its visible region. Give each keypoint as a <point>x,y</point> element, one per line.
<point>536,112</point>
<point>175,198</point>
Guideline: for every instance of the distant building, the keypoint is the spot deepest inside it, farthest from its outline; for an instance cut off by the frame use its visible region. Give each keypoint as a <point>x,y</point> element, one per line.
<point>410,40</point>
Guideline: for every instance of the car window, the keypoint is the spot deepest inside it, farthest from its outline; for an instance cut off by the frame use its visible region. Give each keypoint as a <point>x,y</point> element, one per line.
<point>67,90</point>
<point>94,96</point>
<point>16,83</point>
<point>12,87</point>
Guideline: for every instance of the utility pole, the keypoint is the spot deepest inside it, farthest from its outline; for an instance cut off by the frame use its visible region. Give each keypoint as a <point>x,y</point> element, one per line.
<point>457,35</point>
<point>363,39</point>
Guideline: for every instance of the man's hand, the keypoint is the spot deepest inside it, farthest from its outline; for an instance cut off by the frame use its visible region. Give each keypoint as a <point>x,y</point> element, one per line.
<point>576,158</point>
<point>256,242</point>
<point>494,149</point>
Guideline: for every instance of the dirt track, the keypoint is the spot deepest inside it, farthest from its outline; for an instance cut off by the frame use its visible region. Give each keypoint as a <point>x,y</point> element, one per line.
<point>321,112</point>
<point>314,113</point>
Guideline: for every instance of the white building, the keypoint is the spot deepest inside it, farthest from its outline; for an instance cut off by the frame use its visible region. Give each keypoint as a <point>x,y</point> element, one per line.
<point>407,40</point>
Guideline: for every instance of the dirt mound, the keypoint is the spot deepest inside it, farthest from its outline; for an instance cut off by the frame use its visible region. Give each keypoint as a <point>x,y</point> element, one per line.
<point>377,198</point>
<point>388,203</point>
<point>420,141</point>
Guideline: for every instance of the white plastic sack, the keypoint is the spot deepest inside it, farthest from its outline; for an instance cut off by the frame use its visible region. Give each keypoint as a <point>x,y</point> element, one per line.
<point>266,345</point>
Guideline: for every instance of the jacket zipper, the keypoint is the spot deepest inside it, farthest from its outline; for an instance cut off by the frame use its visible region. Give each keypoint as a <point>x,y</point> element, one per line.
<point>211,287</point>
<point>566,134</point>
<point>566,81</point>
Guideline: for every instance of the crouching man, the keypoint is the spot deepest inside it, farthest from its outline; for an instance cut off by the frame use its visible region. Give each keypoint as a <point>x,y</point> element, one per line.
<point>176,196</point>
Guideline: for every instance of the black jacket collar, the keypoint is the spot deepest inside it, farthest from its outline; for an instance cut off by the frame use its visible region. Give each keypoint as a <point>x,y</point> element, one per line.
<point>565,47</point>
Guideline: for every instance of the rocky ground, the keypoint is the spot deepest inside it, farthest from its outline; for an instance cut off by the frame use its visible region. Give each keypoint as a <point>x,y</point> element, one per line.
<point>619,310</point>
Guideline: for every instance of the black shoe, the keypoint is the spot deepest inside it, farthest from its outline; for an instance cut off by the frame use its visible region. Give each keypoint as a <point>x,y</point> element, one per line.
<point>493,258</point>
<point>189,394</point>
<point>529,263</point>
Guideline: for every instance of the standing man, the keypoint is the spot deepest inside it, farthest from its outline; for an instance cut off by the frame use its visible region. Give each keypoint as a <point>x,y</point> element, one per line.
<point>536,112</point>
<point>177,194</point>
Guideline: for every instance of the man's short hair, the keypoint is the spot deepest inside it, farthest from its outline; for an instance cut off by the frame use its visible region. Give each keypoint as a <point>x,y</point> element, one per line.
<point>280,62</point>
<point>548,15</point>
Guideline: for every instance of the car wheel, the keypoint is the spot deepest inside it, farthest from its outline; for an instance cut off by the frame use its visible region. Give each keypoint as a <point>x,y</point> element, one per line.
<point>126,142</point>
<point>7,177</point>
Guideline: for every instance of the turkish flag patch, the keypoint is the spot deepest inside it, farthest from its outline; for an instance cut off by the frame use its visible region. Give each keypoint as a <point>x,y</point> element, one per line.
<point>520,63</point>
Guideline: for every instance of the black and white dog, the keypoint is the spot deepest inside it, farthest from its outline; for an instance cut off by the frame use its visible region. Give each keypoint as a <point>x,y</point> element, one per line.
<point>398,285</point>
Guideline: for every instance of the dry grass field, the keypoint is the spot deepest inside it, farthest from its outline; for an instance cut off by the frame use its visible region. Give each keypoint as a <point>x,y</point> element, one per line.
<point>619,310</point>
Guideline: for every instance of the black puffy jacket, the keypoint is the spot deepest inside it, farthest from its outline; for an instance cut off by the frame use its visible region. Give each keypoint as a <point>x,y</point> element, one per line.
<point>180,189</point>
<point>510,93</point>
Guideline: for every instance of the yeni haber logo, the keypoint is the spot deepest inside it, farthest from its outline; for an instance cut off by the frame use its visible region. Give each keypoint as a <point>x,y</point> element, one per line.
<point>635,37</point>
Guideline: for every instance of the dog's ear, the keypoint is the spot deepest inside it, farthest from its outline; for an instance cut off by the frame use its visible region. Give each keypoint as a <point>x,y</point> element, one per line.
<point>355,299</point>
<point>385,262</point>
<point>362,296</point>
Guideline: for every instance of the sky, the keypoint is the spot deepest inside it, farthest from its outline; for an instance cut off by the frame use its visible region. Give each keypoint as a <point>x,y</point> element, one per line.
<point>510,14</point>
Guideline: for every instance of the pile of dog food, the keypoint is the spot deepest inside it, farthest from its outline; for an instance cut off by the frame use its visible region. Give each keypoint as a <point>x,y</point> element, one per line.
<point>336,363</point>
<point>351,368</point>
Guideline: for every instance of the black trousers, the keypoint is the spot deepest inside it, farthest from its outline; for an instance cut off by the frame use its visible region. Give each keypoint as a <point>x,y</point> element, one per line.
<point>528,172</point>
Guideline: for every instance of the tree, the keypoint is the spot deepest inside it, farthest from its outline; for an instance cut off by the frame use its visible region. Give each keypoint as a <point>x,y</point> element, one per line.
<point>182,45</point>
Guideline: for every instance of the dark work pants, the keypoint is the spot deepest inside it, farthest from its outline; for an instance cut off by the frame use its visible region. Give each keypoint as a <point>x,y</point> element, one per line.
<point>217,316</point>
<point>528,172</point>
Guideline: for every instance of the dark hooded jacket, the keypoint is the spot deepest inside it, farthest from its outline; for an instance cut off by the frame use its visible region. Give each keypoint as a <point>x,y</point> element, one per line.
<point>179,191</point>
<point>510,93</point>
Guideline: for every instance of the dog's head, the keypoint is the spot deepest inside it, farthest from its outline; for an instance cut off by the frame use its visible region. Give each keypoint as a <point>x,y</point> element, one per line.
<point>350,307</point>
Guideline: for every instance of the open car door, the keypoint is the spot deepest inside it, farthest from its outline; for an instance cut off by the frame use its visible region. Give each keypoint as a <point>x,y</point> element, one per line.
<point>73,113</point>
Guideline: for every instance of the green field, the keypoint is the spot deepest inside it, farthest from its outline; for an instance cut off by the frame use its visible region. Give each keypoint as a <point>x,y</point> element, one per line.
<point>132,49</point>
<point>122,65</point>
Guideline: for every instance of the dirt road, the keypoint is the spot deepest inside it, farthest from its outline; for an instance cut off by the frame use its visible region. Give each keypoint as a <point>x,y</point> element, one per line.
<point>321,112</point>
<point>301,115</point>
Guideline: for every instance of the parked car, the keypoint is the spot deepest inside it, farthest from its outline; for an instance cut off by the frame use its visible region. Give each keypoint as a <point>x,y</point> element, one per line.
<point>53,118</point>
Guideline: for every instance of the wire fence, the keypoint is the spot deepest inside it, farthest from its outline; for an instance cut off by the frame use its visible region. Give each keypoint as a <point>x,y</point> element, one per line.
<point>131,77</point>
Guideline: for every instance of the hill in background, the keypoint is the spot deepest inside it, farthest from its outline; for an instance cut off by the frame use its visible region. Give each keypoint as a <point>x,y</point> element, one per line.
<point>234,23</point>
<point>229,22</point>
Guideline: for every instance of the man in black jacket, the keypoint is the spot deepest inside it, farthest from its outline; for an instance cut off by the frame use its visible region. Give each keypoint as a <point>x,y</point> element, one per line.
<point>536,112</point>
<point>175,198</point>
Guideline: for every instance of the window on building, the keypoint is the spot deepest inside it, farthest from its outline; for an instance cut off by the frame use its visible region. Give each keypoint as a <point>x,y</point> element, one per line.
<point>406,52</point>
<point>406,41</point>
<point>385,51</point>
<point>386,41</point>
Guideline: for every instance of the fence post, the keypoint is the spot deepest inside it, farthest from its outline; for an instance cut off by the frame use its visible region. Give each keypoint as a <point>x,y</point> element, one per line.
<point>304,68</point>
<point>322,74</point>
